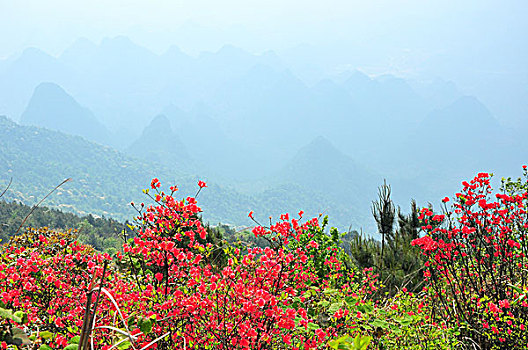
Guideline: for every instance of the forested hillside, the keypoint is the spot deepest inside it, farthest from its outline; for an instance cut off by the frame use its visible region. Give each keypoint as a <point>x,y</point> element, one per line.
<point>100,233</point>
<point>105,181</point>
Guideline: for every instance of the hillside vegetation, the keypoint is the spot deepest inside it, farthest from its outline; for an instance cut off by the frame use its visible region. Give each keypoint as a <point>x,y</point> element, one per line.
<point>105,181</point>
<point>450,280</point>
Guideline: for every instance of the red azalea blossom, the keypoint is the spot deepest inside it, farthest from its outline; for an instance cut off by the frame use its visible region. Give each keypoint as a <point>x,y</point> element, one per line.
<point>174,277</point>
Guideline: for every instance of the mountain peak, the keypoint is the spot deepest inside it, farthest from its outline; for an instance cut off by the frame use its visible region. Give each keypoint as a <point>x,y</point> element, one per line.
<point>322,167</point>
<point>357,77</point>
<point>51,89</point>
<point>53,108</point>
<point>159,143</point>
<point>34,52</point>
<point>466,111</point>
<point>472,102</point>
<point>159,123</point>
<point>320,147</point>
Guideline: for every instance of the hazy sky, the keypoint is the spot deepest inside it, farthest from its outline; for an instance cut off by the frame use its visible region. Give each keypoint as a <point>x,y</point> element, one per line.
<point>459,40</point>
<point>272,24</point>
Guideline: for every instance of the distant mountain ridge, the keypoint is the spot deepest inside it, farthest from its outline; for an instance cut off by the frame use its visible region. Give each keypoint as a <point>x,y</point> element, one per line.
<point>243,119</point>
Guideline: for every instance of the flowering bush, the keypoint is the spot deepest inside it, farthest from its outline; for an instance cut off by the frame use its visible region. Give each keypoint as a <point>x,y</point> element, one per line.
<point>168,290</point>
<point>173,286</point>
<point>264,298</point>
<point>476,262</point>
<point>46,276</point>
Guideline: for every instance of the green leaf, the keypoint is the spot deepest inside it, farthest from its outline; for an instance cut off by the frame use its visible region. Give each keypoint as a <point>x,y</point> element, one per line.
<point>334,307</point>
<point>380,324</point>
<point>71,347</point>
<point>515,288</point>
<point>20,317</point>
<point>45,347</point>
<point>131,320</point>
<point>405,321</point>
<point>330,291</point>
<point>368,307</point>
<point>313,326</point>
<point>351,300</point>
<point>340,342</point>
<point>124,345</point>
<point>324,303</point>
<point>46,334</point>
<point>361,342</point>
<point>6,313</point>
<point>145,325</point>
<point>74,340</point>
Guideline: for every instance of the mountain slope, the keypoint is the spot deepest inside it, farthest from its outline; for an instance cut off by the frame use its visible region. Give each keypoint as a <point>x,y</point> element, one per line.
<point>20,76</point>
<point>106,181</point>
<point>321,168</point>
<point>158,143</point>
<point>53,108</point>
<point>465,128</point>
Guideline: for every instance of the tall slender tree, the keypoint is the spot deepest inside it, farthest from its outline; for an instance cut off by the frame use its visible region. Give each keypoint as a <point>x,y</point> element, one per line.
<point>384,213</point>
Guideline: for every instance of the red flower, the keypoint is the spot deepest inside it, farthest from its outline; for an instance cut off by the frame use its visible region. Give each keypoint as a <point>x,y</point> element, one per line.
<point>202,184</point>
<point>159,277</point>
<point>155,183</point>
<point>314,244</point>
<point>492,307</point>
<point>504,303</point>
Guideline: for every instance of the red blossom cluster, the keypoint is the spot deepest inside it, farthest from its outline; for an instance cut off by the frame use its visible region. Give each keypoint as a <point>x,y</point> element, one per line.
<point>249,303</point>
<point>47,275</point>
<point>166,278</point>
<point>476,261</point>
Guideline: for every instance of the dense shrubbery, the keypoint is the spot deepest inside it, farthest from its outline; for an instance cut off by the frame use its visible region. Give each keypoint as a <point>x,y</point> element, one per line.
<point>100,233</point>
<point>177,285</point>
<point>476,262</point>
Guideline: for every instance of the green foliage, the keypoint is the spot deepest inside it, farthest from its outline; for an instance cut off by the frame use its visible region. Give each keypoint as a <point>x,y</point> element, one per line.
<point>105,181</point>
<point>397,261</point>
<point>101,233</point>
<point>10,321</point>
<point>324,245</point>
<point>347,342</point>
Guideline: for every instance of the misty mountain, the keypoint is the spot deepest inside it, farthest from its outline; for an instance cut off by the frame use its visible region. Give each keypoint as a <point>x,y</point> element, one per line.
<point>252,98</point>
<point>53,108</point>
<point>452,144</point>
<point>438,93</point>
<point>127,80</point>
<point>389,103</point>
<point>266,106</point>
<point>319,167</point>
<point>244,118</point>
<point>160,144</point>
<point>20,76</point>
<point>465,127</point>
<point>213,151</point>
<point>105,181</point>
